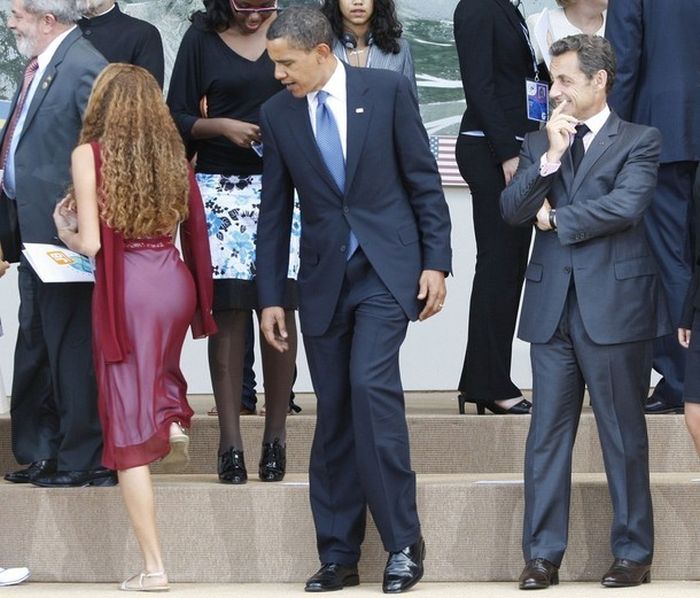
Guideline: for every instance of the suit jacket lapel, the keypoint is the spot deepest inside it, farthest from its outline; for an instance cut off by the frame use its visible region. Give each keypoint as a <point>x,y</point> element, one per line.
<point>300,124</point>
<point>49,75</point>
<point>601,142</point>
<point>359,112</point>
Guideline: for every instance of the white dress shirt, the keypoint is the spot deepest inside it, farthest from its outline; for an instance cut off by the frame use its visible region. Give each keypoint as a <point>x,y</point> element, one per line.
<point>336,102</point>
<point>43,60</point>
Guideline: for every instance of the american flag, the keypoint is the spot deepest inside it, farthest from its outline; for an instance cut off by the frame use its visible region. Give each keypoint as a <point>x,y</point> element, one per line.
<point>443,148</point>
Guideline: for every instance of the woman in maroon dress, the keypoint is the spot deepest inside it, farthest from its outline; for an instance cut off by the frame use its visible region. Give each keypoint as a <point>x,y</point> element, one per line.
<point>131,189</point>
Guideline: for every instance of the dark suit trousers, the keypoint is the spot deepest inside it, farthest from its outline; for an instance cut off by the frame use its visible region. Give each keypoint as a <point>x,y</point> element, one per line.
<point>360,454</point>
<point>668,227</point>
<point>9,228</point>
<point>617,377</point>
<point>501,259</point>
<point>54,397</point>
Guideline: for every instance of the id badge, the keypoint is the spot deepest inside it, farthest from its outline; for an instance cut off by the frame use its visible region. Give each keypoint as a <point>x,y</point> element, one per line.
<point>257,147</point>
<point>537,100</point>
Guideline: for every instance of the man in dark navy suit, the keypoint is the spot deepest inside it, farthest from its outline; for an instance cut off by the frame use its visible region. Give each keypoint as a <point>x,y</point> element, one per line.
<point>375,250</point>
<point>658,83</point>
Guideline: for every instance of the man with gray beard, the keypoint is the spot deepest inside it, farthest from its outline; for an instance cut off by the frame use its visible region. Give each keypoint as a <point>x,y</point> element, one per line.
<point>120,37</point>
<point>55,427</point>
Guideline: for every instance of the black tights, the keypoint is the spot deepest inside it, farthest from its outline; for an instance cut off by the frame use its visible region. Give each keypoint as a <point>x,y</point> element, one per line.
<point>226,355</point>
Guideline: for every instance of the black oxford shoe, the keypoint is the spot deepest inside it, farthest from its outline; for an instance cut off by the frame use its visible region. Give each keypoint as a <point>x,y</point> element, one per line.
<point>538,574</point>
<point>404,568</point>
<point>24,476</point>
<point>624,573</point>
<point>77,479</point>
<point>331,577</point>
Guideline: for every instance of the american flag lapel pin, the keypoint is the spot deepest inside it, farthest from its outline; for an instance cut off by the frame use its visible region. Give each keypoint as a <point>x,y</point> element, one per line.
<point>359,110</point>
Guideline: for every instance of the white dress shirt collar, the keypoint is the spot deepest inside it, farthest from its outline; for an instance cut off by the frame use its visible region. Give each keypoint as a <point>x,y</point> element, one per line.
<point>335,86</point>
<point>595,124</point>
<point>336,102</point>
<point>45,57</point>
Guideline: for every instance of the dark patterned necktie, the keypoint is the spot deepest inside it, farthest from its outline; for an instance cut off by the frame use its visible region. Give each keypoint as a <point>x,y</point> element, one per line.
<point>29,73</point>
<point>577,149</point>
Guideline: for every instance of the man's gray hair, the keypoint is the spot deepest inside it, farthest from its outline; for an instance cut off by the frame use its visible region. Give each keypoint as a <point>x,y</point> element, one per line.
<point>594,54</point>
<point>303,27</point>
<point>65,11</point>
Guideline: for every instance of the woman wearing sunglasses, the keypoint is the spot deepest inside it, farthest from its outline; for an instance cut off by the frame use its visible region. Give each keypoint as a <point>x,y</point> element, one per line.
<point>368,34</point>
<point>221,76</point>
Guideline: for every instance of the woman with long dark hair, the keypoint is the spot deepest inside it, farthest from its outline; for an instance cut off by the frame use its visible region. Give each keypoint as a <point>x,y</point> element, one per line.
<point>132,188</point>
<point>368,34</point>
<point>221,77</point>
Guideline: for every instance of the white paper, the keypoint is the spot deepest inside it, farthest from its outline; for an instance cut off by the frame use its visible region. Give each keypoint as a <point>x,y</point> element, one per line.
<point>53,263</point>
<point>542,33</point>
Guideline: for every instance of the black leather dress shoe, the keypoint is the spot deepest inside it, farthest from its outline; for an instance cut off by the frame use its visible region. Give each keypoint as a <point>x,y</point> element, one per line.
<point>24,476</point>
<point>624,573</point>
<point>331,577</point>
<point>538,574</point>
<point>656,405</point>
<point>232,467</point>
<point>404,569</point>
<point>77,479</point>
<point>273,461</point>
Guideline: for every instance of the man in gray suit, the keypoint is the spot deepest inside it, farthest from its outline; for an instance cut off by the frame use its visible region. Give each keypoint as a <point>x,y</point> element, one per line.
<point>55,427</point>
<point>591,310</point>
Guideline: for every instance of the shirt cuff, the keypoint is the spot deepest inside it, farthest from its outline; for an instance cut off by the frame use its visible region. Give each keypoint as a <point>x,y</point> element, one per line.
<point>547,168</point>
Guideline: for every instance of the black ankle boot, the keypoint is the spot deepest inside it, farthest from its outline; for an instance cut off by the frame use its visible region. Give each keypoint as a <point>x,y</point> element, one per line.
<point>273,461</point>
<point>232,467</point>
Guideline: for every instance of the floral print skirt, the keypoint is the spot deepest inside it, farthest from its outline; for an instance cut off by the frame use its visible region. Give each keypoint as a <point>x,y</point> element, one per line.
<point>232,205</point>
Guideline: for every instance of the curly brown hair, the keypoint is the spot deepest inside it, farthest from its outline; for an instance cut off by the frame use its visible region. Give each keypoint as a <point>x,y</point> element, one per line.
<point>145,182</point>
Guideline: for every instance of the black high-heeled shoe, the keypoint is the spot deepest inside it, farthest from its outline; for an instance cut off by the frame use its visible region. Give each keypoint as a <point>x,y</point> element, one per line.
<point>521,408</point>
<point>231,467</point>
<point>273,461</point>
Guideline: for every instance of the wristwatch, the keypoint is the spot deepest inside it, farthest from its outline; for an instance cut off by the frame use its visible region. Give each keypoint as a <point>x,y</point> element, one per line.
<point>553,218</point>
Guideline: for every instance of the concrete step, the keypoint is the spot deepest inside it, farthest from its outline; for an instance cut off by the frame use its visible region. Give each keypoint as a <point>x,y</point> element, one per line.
<point>441,443</point>
<point>660,589</point>
<point>262,532</point>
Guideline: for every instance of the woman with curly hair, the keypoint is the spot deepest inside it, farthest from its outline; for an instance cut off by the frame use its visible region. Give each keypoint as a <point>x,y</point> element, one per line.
<point>221,77</point>
<point>132,188</point>
<point>368,34</point>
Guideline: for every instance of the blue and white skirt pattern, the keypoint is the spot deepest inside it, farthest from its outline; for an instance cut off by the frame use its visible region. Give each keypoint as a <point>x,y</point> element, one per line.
<point>232,206</point>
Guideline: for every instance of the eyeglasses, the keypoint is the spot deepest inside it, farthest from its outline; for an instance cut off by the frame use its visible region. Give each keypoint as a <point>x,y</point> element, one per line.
<point>251,9</point>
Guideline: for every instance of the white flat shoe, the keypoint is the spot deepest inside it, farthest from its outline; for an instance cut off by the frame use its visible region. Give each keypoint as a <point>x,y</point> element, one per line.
<point>146,582</point>
<point>11,577</point>
<point>179,456</point>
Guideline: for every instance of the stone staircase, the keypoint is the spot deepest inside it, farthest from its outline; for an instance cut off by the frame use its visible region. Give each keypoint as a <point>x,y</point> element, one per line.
<point>469,497</point>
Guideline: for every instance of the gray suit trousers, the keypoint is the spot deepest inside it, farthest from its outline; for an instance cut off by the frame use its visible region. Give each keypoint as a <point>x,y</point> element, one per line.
<point>617,377</point>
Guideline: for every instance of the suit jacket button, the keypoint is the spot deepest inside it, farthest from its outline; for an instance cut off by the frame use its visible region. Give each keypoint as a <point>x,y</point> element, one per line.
<point>342,248</point>
<point>567,269</point>
<point>346,209</point>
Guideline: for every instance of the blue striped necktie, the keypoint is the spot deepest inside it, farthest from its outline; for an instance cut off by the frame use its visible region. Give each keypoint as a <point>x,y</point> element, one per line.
<point>328,141</point>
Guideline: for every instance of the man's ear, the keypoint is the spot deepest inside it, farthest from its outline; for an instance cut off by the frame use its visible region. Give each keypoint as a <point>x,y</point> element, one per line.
<point>323,51</point>
<point>600,79</point>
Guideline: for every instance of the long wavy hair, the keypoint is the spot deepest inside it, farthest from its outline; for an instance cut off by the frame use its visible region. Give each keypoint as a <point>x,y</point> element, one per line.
<point>145,182</point>
<point>384,25</point>
<point>216,16</point>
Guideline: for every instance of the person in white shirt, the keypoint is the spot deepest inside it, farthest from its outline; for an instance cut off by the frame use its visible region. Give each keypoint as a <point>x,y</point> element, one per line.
<point>570,17</point>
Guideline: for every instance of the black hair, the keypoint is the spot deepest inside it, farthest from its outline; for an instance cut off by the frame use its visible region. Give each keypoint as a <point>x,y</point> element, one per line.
<point>216,16</point>
<point>303,26</point>
<point>384,25</point>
